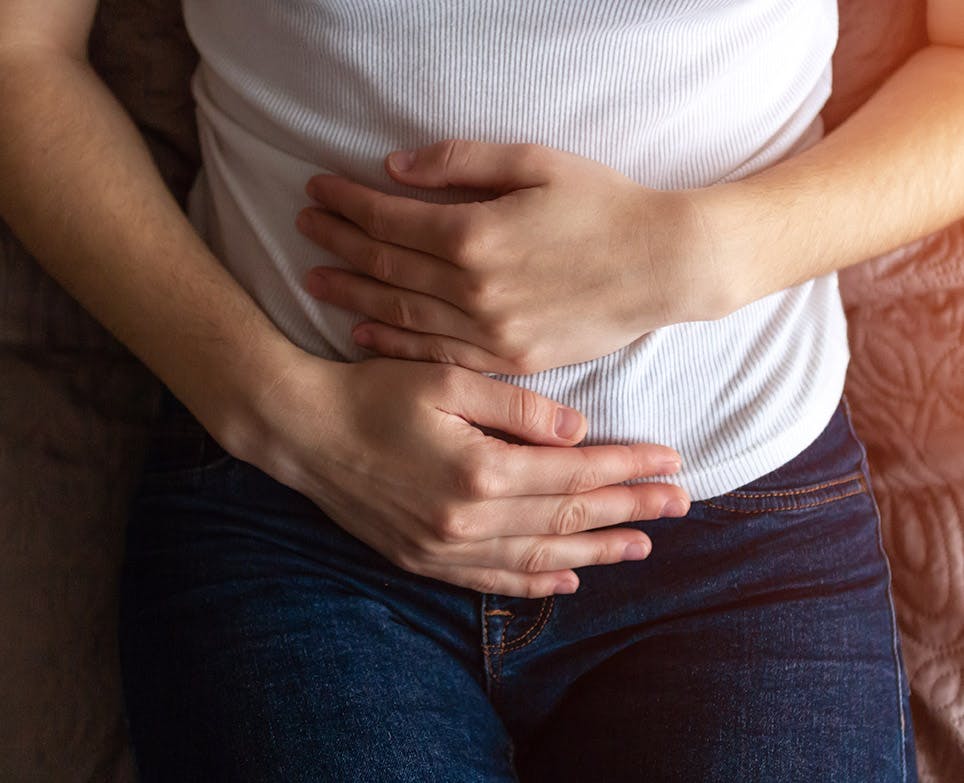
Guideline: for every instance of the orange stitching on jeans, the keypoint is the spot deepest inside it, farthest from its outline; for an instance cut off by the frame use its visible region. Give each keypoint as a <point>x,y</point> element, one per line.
<point>498,613</point>
<point>535,629</point>
<point>855,476</point>
<point>823,502</point>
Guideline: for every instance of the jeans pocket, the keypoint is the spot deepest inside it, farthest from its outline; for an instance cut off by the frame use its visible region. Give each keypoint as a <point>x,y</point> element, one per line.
<point>829,470</point>
<point>750,501</point>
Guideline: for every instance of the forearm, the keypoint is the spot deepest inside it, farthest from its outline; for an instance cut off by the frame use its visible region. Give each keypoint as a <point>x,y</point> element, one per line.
<point>79,188</point>
<point>893,172</point>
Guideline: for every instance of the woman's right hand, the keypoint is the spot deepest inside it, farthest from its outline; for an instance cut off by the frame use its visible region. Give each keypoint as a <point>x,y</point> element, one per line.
<point>393,452</point>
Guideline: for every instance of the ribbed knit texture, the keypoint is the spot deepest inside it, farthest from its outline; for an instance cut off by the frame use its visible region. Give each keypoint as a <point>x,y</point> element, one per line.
<point>673,93</point>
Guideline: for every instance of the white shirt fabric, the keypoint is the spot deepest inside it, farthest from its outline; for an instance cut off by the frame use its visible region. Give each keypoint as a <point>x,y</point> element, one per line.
<point>672,93</point>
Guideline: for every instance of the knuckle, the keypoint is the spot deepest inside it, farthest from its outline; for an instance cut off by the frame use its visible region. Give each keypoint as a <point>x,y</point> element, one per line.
<point>448,381</point>
<point>574,517</point>
<point>474,289</point>
<point>462,244</point>
<point>532,589</point>
<point>524,362</point>
<point>506,336</point>
<point>525,413</point>
<point>478,479</point>
<point>644,505</point>
<point>411,559</point>
<point>380,264</point>
<point>482,295</point>
<point>452,526</point>
<point>473,241</point>
<point>400,312</point>
<point>537,559</point>
<point>373,216</point>
<point>602,555</point>
<point>586,477</point>
<point>486,582</point>
<point>438,352</point>
<point>454,153</point>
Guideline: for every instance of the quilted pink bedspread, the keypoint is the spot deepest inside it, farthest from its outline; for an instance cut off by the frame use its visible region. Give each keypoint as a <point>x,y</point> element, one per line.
<point>906,388</point>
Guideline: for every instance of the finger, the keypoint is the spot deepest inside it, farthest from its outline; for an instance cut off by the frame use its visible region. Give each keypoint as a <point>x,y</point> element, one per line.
<point>493,469</point>
<point>535,419</point>
<point>396,306</point>
<point>539,554</point>
<point>564,515</point>
<point>401,344</point>
<point>534,470</point>
<point>419,225</point>
<point>392,264</point>
<point>474,164</point>
<point>498,581</point>
<point>512,410</point>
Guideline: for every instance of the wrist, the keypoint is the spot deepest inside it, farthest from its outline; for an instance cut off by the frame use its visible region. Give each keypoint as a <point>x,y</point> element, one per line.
<point>248,398</point>
<point>690,240</point>
<point>725,241</point>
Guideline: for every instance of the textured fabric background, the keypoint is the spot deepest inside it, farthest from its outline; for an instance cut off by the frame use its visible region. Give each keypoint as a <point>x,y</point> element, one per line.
<point>73,407</point>
<point>906,387</point>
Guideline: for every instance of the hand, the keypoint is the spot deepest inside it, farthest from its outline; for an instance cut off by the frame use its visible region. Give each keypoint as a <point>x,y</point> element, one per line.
<point>391,450</point>
<point>568,262</point>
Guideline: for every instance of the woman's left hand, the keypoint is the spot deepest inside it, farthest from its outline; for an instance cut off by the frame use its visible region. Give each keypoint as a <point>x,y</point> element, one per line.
<point>568,260</point>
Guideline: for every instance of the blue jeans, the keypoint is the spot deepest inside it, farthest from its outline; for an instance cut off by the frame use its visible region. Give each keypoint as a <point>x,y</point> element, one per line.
<point>757,643</point>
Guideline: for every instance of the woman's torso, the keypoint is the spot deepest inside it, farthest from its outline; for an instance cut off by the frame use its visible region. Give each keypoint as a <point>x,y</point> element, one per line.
<point>673,93</point>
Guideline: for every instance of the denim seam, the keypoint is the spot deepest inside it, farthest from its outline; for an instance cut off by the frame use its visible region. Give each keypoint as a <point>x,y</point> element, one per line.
<point>502,637</point>
<point>797,507</point>
<point>894,639</point>
<point>494,653</point>
<point>535,629</point>
<point>486,646</point>
<point>855,476</point>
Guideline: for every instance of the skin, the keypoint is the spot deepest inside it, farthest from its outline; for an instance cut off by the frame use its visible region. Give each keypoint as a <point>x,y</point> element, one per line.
<point>569,260</point>
<point>362,441</point>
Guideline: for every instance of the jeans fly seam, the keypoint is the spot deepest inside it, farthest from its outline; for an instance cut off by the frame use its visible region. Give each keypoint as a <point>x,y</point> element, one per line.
<point>502,637</point>
<point>493,652</point>
<point>486,653</point>
<point>533,632</point>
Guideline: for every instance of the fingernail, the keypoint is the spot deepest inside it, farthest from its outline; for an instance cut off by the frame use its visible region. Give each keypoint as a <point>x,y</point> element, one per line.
<point>674,508</point>
<point>668,467</point>
<point>566,587</point>
<point>637,551</point>
<point>363,337</point>
<point>312,189</point>
<point>402,160</point>
<point>567,422</point>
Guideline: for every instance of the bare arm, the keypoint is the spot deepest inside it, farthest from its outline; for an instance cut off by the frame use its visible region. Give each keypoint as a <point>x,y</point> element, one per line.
<point>80,189</point>
<point>889,174</point>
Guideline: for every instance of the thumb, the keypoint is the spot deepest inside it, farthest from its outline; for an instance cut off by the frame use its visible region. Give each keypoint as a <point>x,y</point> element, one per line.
<point>472,164</point>
<point>519,412</point>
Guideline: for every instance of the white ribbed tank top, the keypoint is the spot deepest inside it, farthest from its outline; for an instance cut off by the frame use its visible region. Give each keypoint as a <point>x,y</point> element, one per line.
<point>673,93</point>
